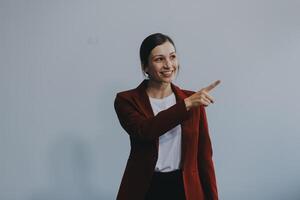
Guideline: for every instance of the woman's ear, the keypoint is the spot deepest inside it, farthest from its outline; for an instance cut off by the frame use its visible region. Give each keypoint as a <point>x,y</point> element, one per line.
<point>145,68</point>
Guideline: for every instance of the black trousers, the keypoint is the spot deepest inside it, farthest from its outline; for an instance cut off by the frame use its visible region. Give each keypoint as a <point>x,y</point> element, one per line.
<point>166,186</point>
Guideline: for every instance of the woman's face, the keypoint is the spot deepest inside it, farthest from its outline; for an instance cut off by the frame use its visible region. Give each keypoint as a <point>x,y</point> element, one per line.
<point>162,64</point>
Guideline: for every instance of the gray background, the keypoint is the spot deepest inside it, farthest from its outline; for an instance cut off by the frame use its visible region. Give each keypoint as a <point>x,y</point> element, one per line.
<point>62,63</point>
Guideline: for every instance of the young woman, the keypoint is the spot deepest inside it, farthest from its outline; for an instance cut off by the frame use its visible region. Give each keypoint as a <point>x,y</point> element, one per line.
<point>171,151</point>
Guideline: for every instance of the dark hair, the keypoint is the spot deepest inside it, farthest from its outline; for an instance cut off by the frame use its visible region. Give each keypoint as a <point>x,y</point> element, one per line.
<point>150,43</point>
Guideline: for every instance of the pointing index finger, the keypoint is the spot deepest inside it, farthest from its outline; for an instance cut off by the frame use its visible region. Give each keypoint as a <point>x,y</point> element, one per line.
<point>212,86</point>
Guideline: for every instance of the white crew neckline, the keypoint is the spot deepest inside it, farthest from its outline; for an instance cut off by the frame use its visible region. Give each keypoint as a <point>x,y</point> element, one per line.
<point>162,99</point>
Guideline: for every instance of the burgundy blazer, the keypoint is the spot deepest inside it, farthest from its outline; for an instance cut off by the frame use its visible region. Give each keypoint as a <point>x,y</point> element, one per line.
<point>135,114</point>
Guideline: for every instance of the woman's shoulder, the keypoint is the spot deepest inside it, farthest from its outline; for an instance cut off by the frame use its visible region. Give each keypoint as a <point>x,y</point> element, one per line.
<point>188,92</point>
<point>183,92</point>
<point>133,91</point>
<point>126,93</point>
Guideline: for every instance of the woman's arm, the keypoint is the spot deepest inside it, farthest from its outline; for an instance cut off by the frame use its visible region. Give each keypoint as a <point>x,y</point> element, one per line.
<point>205,162</point>
<point>137,125</point>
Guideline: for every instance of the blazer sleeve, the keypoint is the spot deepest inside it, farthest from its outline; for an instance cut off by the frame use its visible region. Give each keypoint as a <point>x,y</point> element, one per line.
<point>205,162</point>
<point>139,126</point>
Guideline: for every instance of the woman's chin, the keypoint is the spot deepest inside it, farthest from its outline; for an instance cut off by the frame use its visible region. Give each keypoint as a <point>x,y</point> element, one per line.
<point>167,80</point>
<point>163,80</point>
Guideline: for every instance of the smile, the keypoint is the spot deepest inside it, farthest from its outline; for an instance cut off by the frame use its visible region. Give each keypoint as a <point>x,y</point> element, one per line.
<point>167,73</point>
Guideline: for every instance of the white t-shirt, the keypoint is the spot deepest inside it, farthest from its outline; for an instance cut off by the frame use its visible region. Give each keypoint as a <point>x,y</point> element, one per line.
<point>169,150</point>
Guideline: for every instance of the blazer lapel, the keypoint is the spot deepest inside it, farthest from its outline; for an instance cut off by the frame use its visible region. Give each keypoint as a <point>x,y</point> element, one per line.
<point>180,95</point>
<point>142,99</point>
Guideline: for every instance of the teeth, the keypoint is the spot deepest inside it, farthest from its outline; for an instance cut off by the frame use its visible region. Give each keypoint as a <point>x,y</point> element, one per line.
<point>167,73</point>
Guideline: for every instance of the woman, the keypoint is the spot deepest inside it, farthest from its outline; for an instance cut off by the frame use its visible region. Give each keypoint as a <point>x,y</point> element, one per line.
<point>171,152</point>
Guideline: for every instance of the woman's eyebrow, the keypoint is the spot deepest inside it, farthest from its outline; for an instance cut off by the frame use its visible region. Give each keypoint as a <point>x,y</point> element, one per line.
<point>158,55</point>
<point>163,55</point>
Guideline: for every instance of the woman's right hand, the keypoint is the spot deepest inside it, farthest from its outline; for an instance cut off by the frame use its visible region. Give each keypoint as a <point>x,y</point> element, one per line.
<point>202,97</point>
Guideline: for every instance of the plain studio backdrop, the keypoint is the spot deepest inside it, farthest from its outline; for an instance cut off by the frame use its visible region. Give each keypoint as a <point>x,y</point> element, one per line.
<point>62,63</point>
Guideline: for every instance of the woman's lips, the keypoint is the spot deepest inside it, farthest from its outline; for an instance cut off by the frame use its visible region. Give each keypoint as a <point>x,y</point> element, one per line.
<point>167,73</point>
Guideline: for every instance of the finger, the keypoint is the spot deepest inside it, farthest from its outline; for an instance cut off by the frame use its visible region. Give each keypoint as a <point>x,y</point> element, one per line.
<point>208,96</point>
<point>212,86</point>
<point>205,101</point>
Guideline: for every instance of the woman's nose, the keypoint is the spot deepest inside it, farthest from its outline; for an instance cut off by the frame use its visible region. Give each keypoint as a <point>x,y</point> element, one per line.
<point>168,64</point>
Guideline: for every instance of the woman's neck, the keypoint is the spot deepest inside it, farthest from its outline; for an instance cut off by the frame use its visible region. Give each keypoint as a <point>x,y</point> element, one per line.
<point>158,90</point>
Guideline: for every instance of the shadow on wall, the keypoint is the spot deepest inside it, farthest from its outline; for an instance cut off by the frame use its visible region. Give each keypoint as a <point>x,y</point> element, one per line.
<point>69,175</point>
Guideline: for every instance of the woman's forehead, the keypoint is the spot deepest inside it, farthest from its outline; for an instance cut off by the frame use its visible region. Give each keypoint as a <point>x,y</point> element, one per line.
<point>163,49</point>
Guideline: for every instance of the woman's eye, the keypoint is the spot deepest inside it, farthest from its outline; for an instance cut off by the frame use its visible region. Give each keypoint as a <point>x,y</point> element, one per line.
<point>158,59</point>
<point>173,57</point>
